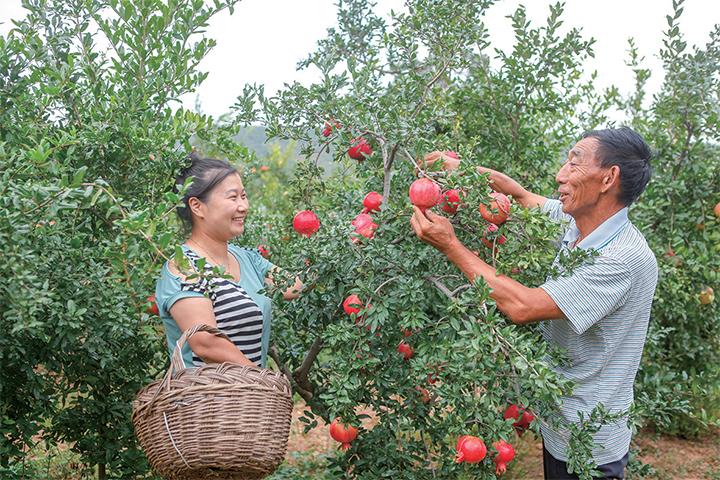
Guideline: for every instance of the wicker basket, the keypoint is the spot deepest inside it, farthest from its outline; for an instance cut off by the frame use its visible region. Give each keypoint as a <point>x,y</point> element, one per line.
<point>224,421</point>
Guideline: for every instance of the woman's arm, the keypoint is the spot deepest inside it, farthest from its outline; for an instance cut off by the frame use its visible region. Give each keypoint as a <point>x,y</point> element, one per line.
<point>292,292</point>
<point>194,310</point>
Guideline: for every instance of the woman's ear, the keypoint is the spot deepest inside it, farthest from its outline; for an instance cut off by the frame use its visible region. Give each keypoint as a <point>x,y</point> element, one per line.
<point>196,207</point>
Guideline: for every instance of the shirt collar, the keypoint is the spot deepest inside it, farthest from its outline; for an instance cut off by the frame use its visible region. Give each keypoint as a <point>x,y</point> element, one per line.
<point>601,236</point>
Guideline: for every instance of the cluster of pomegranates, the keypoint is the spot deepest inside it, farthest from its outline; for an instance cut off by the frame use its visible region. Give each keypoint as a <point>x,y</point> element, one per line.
<point>425,193</point>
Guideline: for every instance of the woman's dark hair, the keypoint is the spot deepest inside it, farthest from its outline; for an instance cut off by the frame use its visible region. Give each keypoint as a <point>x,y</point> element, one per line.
<point>206,173</point>
<point>625,148</point>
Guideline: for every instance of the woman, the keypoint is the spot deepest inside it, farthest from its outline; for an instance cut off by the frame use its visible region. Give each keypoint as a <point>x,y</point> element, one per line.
<point>215,208</point>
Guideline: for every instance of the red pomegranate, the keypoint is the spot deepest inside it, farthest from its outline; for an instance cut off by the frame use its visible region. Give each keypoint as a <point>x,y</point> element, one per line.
<point>522,416</point>
<point>406,350</point>
<point>306,223</point>
<point>263,251</point>
<point>359,149</point>
<point>491,234</point>
<point>450,201</point>
<point>352,304</point>
<point>372,202</point>
<point>343,433</point>
<point>424,394</point>
<point>424,193</point>
<point>153,308</point>
<point>505,454</point>
<point>498,210</point>
<point>364,225</point>
<point>470,449</point>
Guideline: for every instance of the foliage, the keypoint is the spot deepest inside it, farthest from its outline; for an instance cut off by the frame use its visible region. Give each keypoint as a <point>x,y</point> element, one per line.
<point>422,83</point>
<point>90,138</point>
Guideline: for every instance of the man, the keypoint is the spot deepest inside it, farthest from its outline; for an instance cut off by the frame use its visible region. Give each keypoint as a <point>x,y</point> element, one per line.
<point>599,312</point>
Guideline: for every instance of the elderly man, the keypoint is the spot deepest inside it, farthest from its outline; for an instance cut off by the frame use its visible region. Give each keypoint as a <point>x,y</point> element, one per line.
<point>599,312</point>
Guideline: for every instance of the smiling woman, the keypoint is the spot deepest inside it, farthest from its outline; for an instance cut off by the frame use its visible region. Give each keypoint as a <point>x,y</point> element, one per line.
<point>214,210</point>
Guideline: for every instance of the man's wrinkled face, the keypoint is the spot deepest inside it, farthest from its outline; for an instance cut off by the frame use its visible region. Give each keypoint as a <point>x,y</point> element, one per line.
<point>580,178</point>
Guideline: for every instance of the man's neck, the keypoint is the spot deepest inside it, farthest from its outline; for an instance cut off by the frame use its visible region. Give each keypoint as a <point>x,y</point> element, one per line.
<point>587,223</point>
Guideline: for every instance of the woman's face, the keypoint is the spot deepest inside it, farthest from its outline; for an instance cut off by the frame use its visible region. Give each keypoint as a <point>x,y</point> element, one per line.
<point>223,213</point>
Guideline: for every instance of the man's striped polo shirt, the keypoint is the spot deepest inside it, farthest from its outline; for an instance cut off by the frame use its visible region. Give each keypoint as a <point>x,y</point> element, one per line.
<point>607,303</point>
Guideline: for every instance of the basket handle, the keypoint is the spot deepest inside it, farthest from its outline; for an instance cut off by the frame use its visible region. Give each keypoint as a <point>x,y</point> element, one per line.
<point>177,363</point>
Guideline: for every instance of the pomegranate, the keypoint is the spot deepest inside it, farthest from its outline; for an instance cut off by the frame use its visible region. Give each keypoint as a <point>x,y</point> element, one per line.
<point>424,394</point>
<point>343,433</point>
<point>352,304</point>
<point>306,223</point>
<point>372,202</point>
<point>264,168</point>
<point>364,225</point>
<point>522,416</point>
<point>498,210</point>
<point>707,296</point>
<point>263,251</point>
<point>716,210</point>
<point>327,131</point>
<point>153,308</point>
<point>359,149</point>
<point>424,193</point>
<point>450,201</point>
<point>406,350</point>
<point>505,454</point>
<point>491,234</point>
<point>470,449</point>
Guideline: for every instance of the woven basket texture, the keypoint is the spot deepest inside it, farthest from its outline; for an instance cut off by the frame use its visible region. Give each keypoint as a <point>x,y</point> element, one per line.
<point>219,421</point>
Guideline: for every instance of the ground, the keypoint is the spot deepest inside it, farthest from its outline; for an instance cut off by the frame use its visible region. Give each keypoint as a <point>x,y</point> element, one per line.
<point>668,458</point>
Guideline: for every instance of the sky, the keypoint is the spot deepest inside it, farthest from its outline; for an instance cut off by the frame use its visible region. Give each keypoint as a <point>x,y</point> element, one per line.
<point>279,33</point>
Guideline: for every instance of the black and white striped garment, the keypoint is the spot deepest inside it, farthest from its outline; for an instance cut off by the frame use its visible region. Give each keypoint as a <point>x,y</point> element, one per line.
<point>236,314</point>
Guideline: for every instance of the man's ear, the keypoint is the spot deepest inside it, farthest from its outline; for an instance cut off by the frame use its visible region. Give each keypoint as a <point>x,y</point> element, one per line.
<point>195,206</point>
<point>611,179</point>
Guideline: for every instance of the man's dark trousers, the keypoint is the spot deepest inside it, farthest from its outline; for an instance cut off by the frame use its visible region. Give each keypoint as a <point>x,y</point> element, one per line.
<point>557,470</point>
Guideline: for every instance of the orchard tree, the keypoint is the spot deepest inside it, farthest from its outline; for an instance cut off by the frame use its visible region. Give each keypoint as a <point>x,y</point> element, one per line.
<point>386,324</point>
<point>91,136</point>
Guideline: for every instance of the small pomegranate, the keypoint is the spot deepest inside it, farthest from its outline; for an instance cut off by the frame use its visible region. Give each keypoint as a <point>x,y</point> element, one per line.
<point>343,433</point>
<point>264,168</point>
<point>364,225</point>
<point>424,394</point>
<point>153,308</point>
<point>450,201</point>
<point>707,296</point>
<point>327,131</point>
<point>716,210</point>
<point>491,234</point>
<point>424,193</point>
<point>306,223</point>
<point>406,350</point>
<point>353,304</point>
<point>470,449</point>
<point>263,251</point>
<point>372,202</point>
<point>505,454</point>
<point>522,416</point>
<point>498,210</point>
<point>359,149</point>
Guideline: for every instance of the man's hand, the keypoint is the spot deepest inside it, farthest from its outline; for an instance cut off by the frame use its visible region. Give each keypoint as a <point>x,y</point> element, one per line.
<point>449,163</point>
<point>433,229</point>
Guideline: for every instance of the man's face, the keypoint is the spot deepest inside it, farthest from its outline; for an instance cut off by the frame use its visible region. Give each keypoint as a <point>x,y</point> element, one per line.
<point>580,178</point>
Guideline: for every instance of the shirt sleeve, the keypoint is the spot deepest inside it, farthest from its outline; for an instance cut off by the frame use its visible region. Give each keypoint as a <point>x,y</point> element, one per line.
<point>169,289</point>
<point>553,208</point>
<point>591,292</point>
<point>260,264</point>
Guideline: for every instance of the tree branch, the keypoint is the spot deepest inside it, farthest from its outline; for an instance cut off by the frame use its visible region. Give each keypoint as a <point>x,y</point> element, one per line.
<point>283,368</point>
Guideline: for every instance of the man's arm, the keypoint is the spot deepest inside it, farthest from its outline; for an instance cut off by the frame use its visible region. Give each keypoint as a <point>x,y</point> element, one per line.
<point>519,303</point>
<point>504,184</point>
